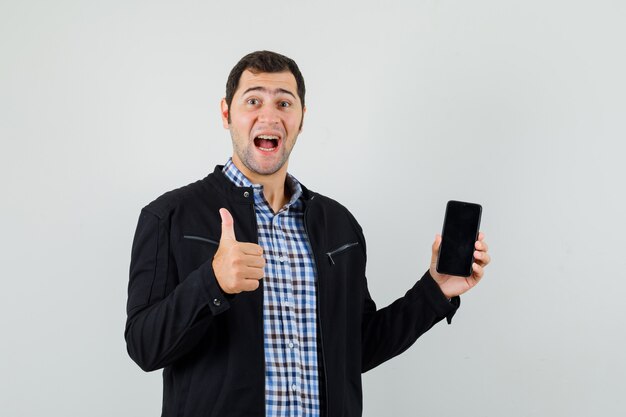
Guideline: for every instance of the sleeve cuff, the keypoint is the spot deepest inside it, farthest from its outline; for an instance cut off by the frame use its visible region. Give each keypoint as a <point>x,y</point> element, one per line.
<point>437,300</point>
<point>218,301</point>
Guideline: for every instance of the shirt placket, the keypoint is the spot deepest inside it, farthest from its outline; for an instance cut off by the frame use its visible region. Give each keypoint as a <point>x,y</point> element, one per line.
<point>272,298</point>
<point>290,345</point>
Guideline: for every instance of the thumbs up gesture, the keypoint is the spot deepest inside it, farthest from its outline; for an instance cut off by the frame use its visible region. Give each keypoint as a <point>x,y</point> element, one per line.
<point>238,266</point>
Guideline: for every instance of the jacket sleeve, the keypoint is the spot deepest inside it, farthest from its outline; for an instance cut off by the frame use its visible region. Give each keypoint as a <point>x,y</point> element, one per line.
<point>393,329</point>
<point>388,332</point>
<point>166,316</point>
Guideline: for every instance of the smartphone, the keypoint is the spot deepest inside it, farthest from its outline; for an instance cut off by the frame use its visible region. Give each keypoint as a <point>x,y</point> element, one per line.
<point>460,231</point>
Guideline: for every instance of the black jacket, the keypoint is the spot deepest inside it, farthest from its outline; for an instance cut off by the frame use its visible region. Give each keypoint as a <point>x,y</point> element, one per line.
<point>211,345</point>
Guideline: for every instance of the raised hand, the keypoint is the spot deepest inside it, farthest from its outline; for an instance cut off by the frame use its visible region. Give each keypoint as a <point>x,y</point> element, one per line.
<point>238,266</point>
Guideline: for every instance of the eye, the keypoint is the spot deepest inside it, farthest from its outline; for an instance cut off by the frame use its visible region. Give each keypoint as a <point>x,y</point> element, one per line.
<point>284,104</point>
<point>252,101</point>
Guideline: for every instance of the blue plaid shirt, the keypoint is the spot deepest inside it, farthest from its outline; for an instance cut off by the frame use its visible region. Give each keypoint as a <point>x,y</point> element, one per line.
<point>289,303</point>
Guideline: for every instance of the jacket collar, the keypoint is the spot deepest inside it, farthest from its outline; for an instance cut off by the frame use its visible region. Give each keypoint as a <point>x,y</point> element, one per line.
<point>243,194</point>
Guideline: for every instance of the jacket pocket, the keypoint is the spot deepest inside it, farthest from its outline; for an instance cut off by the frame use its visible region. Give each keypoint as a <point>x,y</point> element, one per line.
<point>341,249</point>
<point>193,251</point>
<point>202,239</point>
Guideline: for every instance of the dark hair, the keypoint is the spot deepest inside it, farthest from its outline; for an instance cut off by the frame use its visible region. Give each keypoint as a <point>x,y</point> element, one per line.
<point>263,61</point>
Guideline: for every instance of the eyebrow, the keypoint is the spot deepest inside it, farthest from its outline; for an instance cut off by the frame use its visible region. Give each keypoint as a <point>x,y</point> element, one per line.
<point>265,90</point>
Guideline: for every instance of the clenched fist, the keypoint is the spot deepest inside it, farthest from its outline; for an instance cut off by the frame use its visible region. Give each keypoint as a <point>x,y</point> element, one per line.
<point>238,266</point>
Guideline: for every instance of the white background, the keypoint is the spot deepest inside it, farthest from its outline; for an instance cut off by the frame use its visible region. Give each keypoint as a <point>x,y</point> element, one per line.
<point>517,105</point>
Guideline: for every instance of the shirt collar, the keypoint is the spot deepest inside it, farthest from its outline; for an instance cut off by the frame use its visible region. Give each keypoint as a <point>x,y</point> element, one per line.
<point>237,177</point>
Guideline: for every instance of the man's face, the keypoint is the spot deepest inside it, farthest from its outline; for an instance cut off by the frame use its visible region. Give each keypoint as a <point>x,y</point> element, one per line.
<point>265,120</point>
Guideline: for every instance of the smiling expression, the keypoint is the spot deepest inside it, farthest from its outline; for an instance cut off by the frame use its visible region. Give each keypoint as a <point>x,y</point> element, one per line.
<point>265,120</point>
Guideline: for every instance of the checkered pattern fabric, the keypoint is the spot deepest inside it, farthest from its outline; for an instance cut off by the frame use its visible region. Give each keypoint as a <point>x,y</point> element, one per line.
<point>289,303</point>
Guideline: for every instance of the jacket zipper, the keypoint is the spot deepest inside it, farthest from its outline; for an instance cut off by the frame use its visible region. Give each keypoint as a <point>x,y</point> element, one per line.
<point>255,226</point>
<point>339,250</point>
<point>319,318</point>
<point>201,239</point>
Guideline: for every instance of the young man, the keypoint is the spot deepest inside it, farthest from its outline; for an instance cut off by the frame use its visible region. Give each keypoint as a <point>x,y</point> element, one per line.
<point>250,290</point>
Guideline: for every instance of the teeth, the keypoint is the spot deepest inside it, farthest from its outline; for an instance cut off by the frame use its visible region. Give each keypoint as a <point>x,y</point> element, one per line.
<point>266,149</point>
<point>267,137</point>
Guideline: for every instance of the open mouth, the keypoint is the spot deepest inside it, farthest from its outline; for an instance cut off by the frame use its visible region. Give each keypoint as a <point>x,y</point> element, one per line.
<point>266,143</point>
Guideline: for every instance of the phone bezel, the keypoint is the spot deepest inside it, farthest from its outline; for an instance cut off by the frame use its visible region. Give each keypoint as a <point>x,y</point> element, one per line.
<point>445,220</point>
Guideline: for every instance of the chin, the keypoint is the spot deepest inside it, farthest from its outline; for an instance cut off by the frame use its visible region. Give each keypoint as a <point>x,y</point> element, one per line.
<point>264,169</point>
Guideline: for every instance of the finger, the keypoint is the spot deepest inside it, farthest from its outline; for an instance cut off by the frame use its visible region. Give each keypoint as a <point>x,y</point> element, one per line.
<point>481,246</point>
<point>435,248</point>
<point>482,258</point>
<point>253,273</point>
<point>481,236</point>
<point>251,248</point>
<point>228,225</point>
<point>249,285</point>
<point>254,261</point>
<point>478,271</point>
<point>243,272</point>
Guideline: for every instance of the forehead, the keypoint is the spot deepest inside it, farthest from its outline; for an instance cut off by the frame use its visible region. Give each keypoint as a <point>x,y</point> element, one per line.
<point>268,80</point>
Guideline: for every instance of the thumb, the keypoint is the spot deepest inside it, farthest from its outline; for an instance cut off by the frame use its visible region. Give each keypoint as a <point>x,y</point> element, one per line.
<point>436,245</point>
<point>228,225</point>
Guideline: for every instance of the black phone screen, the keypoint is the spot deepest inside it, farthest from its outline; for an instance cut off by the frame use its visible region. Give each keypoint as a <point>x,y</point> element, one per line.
<point>460,232</point>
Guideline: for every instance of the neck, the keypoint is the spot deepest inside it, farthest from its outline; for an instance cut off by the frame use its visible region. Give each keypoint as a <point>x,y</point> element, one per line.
<point>274,190</point>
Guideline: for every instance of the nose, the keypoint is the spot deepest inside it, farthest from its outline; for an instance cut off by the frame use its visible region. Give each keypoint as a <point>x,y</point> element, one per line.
<point>269,115</point>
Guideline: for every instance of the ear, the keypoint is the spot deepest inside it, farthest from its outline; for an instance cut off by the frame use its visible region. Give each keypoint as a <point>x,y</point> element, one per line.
<point>224,113</point>
<point>302,121</point>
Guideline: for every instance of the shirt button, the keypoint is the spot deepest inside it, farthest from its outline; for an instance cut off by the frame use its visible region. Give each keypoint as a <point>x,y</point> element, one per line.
<point>217,302</point>
<point>294,388</point>
<point>246,194</point>
<point>291,345</point>
<point>282,259</point>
